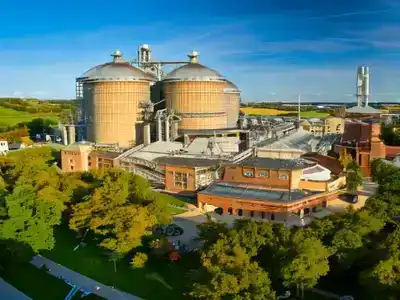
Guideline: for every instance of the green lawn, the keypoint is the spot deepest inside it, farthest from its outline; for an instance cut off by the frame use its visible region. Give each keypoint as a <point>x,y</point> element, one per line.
<point>10,117</point>
<point>158,280</point>
<point>313,113</point>
<point>175,210</point>
<point>38,284</point>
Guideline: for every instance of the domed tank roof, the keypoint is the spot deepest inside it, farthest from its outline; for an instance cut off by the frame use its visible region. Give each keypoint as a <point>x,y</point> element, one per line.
<point>194,71</point>
<point>231,87</point>
<point>117,70</point>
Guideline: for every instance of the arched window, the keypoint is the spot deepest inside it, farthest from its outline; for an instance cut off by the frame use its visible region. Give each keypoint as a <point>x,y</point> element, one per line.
<point>219,210</point>
<point>240,212</point>
<point>230,211</point>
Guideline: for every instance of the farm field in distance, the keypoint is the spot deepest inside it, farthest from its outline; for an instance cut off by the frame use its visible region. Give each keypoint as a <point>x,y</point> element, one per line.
<point>275,112</point>
<point>11,117</point>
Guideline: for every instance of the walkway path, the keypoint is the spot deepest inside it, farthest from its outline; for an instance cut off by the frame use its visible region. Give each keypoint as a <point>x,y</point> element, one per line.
<point>82,281</point>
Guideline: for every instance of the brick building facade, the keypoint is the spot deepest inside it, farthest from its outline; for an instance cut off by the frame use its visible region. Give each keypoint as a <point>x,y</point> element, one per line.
<point>362,141</point>
<point>271,189</point>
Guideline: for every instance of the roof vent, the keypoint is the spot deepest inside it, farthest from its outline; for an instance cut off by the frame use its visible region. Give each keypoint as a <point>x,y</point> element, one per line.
<point>117,55</point>
<point>193,57</point>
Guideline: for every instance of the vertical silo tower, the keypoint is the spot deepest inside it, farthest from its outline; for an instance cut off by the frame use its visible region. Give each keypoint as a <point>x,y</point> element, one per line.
<point>232,104</point>
<point>196,94</point>
<point>112,94</point>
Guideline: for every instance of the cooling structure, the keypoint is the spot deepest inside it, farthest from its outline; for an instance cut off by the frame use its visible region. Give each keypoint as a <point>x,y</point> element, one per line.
<point>110,98</point>
<point>196,94</point>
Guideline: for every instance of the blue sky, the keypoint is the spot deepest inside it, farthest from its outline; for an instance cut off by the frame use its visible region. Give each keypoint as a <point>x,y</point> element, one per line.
<point>272,50</point>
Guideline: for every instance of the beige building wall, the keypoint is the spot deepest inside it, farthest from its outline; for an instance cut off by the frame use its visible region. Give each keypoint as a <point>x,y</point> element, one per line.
<point>197,97</point>
<point>295,178</point>
<point>113,112</point>
<point>75,159</point>
<point>334,125</point>
<point>279,153</point>
<point>232,107</point>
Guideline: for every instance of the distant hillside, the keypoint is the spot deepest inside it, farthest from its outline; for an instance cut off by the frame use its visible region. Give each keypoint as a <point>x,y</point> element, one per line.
<point>14,111</point>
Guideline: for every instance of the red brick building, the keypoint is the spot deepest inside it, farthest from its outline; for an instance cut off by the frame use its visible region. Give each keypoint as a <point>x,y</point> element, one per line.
<point>79,157</point>
<point>271,189</point>
<point>363,142</point>
<point>188,174</point>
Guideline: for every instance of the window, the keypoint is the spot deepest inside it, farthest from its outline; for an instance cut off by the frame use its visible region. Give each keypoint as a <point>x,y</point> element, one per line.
<point>283,177</point>
<point>180,180</point>
<point>71,161</point>
<point>248,173</point>
<point>263,174</point>
<point>89,163</point>
<point>72,168</point>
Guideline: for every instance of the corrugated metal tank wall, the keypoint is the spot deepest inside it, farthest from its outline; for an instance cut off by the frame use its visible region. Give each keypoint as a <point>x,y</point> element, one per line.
<point>199,104</point>
<point>232,107</point>
<point>113,110</point>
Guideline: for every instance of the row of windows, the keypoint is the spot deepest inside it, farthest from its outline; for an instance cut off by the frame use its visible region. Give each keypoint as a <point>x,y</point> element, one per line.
<point>264,174</point>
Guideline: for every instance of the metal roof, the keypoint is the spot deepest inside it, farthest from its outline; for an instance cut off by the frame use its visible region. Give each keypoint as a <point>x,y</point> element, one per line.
<point>187,161</point>
<point>116,71</point>
<point>242,191</point>
<point>7,291</point>
<point>278,163</point>
<point>363,110</point>
<point>194,72</point>
<point>231,87</point>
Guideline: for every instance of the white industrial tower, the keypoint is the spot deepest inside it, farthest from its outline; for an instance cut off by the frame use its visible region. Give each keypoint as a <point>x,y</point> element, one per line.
<point>362,86</point>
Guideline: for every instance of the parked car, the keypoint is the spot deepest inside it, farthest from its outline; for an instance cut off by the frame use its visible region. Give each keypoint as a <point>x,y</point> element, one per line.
<point>169,230</point>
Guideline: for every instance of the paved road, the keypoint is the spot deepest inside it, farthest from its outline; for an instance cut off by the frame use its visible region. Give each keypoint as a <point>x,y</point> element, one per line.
<point>7,291</point>
<point>82,281</point>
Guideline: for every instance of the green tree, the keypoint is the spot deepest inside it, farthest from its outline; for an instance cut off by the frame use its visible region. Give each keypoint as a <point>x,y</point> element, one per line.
<point>30,218</point>
<point>228,273</point>
<point>308,262</point>
<point>114,210</point>
<point>345,158</point>
<point>139,260</point>
<point>354,177</point>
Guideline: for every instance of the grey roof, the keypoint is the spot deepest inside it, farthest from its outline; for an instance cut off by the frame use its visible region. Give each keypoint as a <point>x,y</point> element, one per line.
<point>278,163</point>
<point>116,71</point>
<point>231,87</point>
<point>15,145</point>
<point>187,161</point>
<point>239,190</point>
<point>8,292</point>
<point>363,110</point>
<point>105,154</point>
<point>194,72</point>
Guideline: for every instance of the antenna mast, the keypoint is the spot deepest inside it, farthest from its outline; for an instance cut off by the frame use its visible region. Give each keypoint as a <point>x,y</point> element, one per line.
<point>298,108</point>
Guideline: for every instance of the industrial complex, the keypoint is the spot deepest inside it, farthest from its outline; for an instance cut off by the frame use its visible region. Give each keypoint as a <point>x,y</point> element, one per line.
<point>183,130</point>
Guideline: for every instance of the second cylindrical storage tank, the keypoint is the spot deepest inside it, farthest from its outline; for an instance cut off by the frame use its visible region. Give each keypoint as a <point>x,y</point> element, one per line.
<point>196,94</point>
<point>112,94</point>
<point>232,104</point>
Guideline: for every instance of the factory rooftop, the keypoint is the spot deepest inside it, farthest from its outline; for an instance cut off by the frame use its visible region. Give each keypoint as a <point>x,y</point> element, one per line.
<point>300,140</point>
<point>188,162</point>
<point>363,110</point>
<point>249,192</point>
<point>199,148</point>
<point>328,162</point>
<point>278,163</point>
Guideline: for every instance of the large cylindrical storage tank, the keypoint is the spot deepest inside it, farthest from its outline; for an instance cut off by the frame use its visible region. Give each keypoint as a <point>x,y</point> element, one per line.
<point>232,104</point>
<point>196,93</point>
<point>112,94</point>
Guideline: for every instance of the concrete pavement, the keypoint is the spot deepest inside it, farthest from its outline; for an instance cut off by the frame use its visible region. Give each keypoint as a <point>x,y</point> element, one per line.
<point>80,280</point>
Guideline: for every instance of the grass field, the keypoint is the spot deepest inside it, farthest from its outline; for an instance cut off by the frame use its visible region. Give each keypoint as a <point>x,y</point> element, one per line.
<point>38,284</point>
<point>10,117</point>
<point>160,279</point>
<point>274,112</point>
